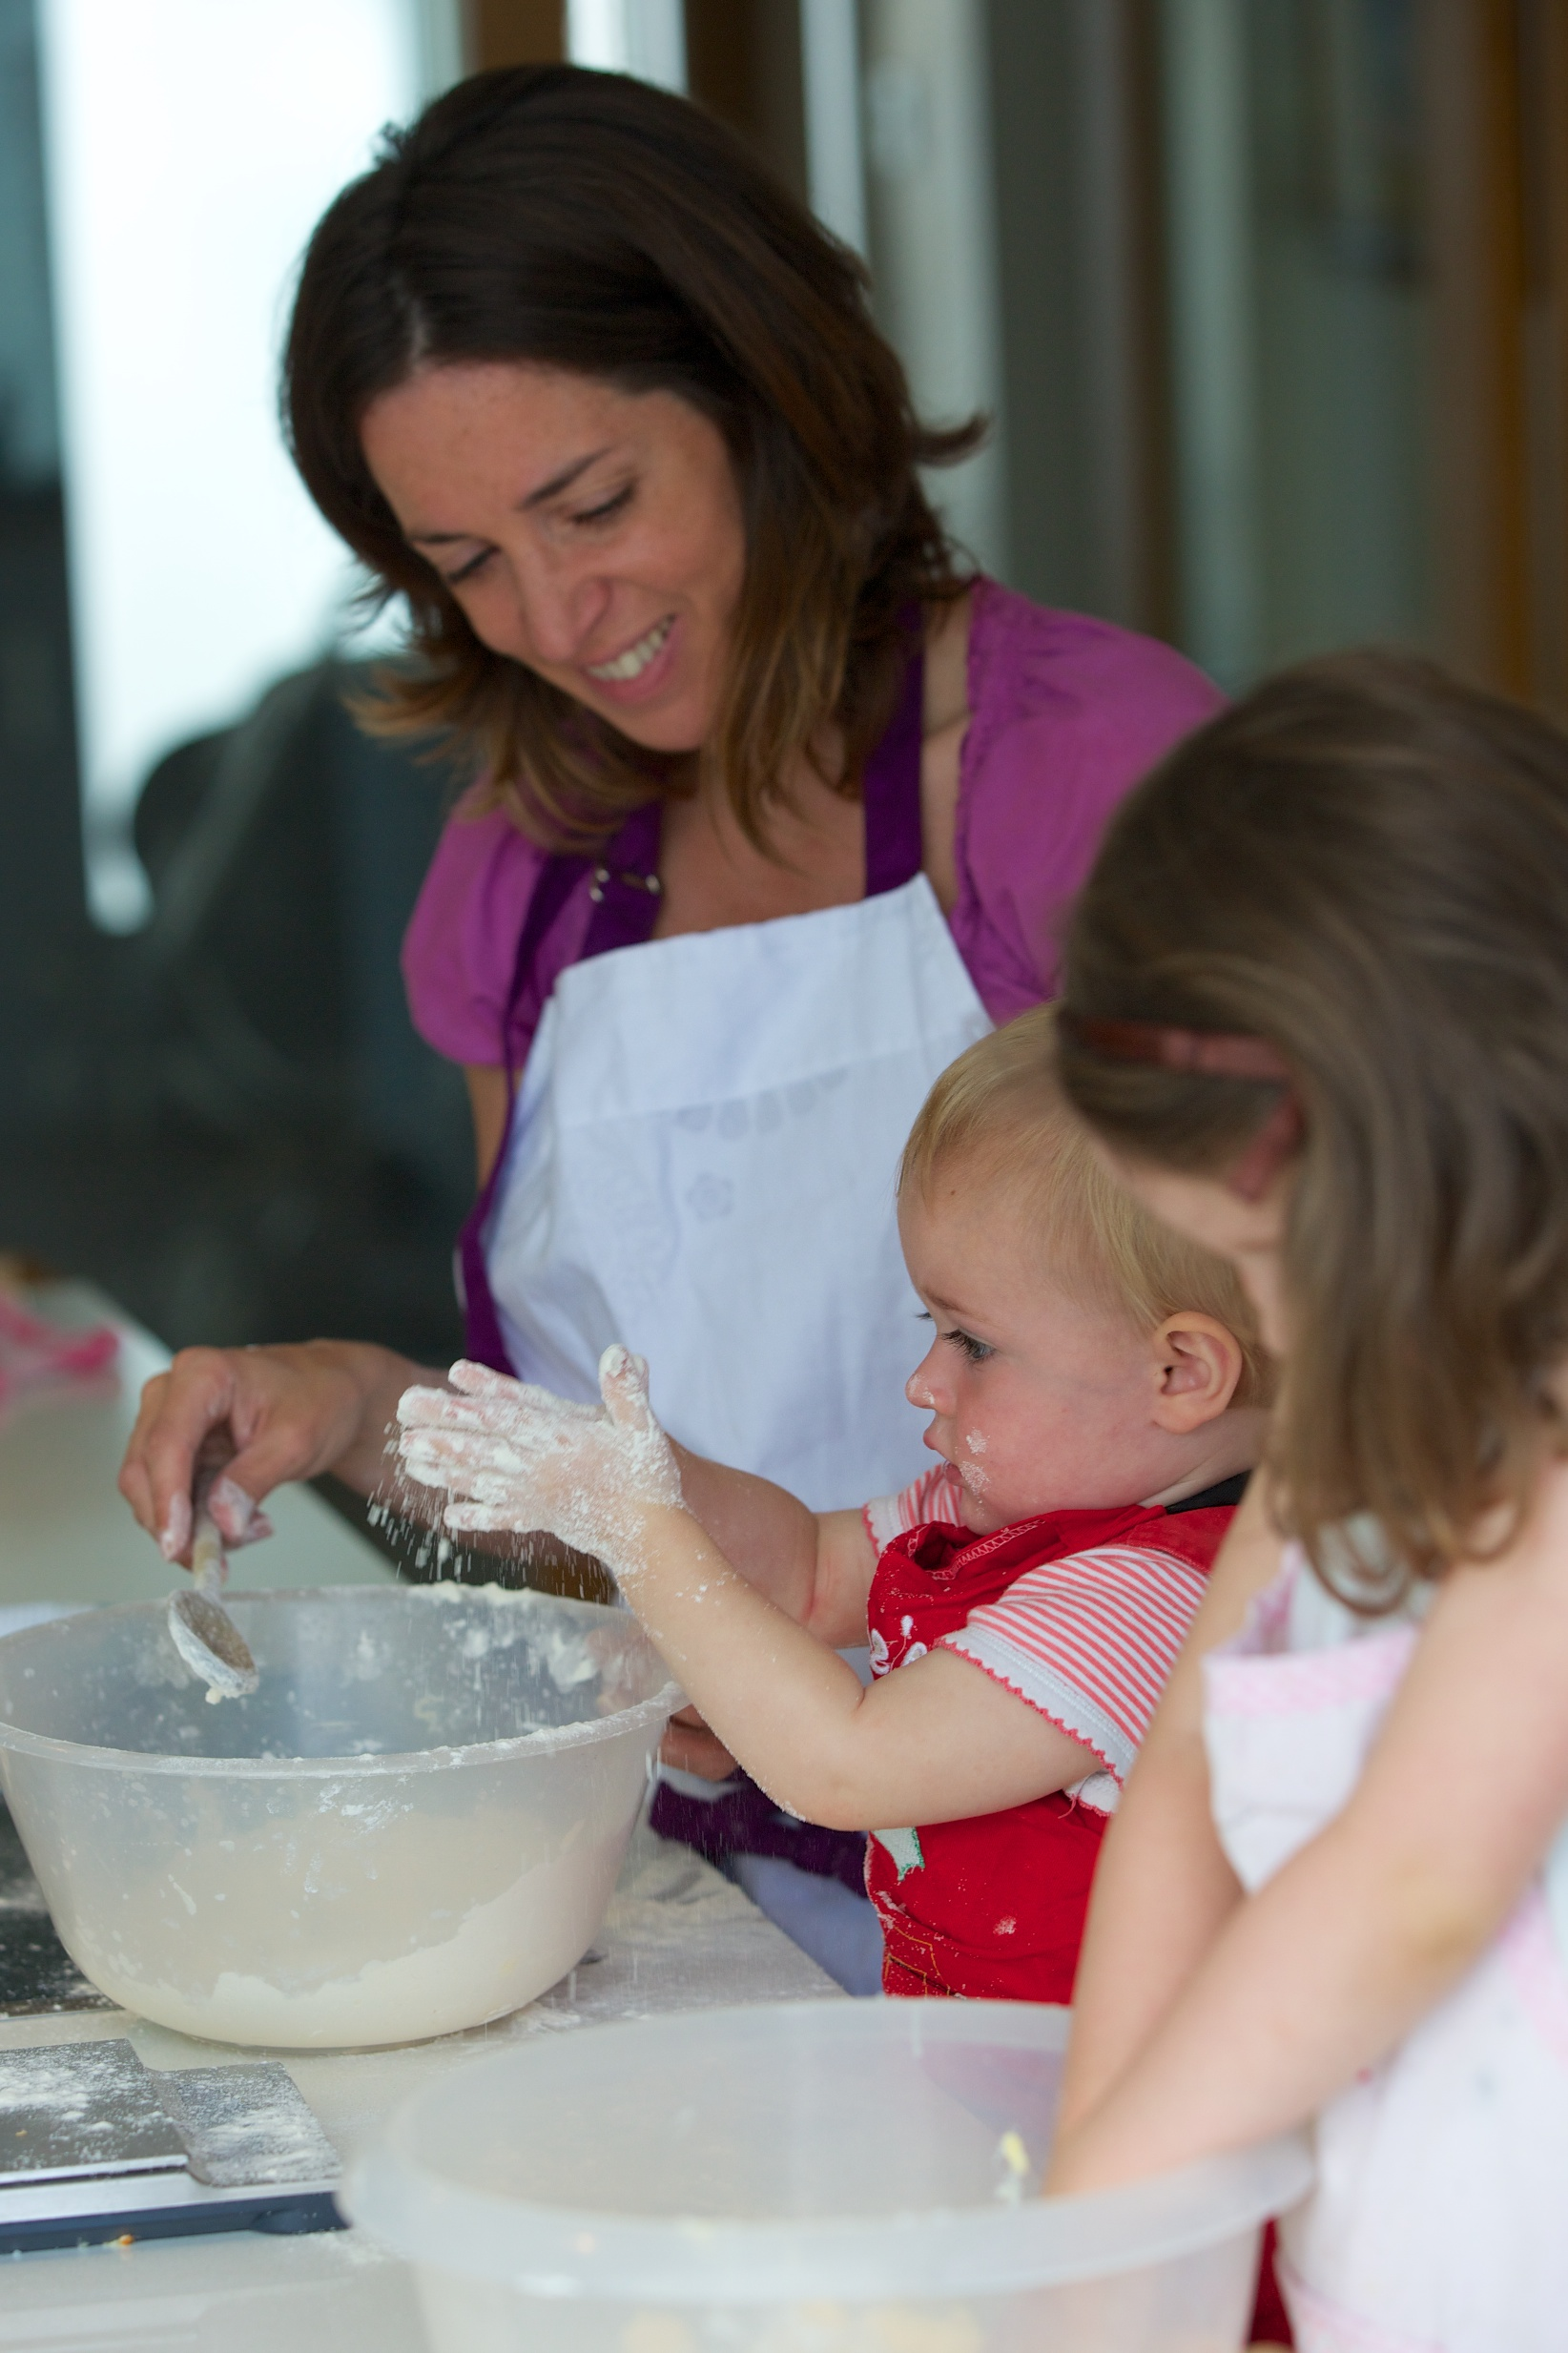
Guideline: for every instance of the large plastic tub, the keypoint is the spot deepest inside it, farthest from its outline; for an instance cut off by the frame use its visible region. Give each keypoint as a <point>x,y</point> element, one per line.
<point>813,2177</point>
<point>414,1826</point>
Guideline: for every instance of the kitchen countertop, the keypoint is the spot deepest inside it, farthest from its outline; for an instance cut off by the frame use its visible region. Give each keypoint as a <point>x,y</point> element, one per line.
<point>677,1936</point>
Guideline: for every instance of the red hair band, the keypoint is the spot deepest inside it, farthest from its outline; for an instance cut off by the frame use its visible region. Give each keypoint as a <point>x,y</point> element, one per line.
<point>1208,1053</point>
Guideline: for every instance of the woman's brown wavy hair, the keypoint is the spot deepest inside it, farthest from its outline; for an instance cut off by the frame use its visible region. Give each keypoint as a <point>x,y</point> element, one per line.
<point>591,222</point>
<point>1366,863</point>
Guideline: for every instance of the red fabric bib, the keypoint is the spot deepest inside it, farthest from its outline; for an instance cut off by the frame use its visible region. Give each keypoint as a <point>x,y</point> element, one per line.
<point>993,1908</point>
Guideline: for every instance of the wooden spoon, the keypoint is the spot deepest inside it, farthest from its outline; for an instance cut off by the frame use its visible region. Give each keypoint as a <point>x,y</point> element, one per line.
<point>204,1634</point>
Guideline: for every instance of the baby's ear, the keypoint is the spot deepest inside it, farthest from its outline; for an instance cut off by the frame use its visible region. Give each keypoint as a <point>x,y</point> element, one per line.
<point>1199,1363</point>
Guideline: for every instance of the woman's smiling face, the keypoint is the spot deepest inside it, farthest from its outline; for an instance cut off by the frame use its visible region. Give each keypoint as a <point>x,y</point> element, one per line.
<point>594,535</point>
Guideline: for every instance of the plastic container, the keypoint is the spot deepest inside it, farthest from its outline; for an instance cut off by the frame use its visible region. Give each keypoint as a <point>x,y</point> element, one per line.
<point>805,2178</point>
<point>414,1826</point>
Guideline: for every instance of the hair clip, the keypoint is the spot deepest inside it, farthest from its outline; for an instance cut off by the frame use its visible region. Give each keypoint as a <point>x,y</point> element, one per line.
<point>1208,1053</point>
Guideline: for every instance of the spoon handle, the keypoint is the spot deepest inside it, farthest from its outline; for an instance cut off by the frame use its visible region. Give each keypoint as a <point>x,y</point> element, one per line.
<point>208,1565</point>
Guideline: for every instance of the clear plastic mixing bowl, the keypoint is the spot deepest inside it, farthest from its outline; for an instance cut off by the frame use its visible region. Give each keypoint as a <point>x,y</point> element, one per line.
<point>805,2178</point>
<point>414,1826</point>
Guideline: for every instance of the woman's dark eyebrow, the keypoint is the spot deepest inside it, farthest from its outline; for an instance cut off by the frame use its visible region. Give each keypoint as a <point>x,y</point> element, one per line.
<point>541,497</point>
<point>563,481</point>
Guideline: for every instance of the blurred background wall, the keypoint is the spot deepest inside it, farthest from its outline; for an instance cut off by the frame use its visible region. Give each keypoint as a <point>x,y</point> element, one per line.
<point>1267,300</point>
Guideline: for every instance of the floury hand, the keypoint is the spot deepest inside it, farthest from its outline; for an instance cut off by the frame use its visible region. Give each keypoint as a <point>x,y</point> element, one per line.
<point>516,1458</point>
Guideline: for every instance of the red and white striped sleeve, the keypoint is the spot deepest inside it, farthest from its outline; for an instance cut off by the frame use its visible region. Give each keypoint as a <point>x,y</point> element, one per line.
<point>937,1493</point>
<point>1089,1642</point>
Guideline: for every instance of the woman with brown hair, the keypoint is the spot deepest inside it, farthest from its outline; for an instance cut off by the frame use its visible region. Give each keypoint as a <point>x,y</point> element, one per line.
<point>778,801</point>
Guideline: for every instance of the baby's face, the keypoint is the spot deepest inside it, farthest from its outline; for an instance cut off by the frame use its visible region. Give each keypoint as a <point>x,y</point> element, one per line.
<point>1042,1401</point>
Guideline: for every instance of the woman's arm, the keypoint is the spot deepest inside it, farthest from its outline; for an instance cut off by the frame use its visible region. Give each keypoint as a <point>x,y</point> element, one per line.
<point>1323,1970</point>
<point>290,1412</point>
<point>489,1103</point>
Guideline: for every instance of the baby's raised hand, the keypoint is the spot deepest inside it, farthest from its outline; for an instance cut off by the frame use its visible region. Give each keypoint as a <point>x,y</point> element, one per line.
<point>489,1403</point>
<point>518,1459</point>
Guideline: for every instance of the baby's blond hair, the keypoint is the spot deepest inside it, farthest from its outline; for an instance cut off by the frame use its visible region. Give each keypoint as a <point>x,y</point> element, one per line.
<point>1000,1109</point>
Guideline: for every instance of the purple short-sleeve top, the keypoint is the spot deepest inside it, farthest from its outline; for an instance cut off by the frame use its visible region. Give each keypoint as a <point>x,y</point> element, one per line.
<point>1067,714</point>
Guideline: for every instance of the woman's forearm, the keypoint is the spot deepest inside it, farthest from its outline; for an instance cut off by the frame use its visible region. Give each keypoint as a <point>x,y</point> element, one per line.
<point>378,1375</point>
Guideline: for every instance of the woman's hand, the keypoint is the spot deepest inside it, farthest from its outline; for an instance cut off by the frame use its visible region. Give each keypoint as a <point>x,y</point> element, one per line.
<point>257,1415</point>
<point>691,1748</point>
<point>518,1459</point>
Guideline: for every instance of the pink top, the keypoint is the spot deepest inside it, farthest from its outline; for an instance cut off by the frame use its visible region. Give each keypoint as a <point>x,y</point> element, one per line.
<point>1068,713</point>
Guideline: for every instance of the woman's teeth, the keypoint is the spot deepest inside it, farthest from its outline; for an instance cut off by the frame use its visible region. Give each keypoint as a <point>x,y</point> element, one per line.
<point>637,658</point>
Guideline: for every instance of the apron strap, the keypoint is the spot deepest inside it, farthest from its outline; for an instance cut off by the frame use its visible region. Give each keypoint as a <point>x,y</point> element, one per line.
<point>625,890</point>
<point>890,789</point>
<point>624,886</point>
<point>483,1342</point>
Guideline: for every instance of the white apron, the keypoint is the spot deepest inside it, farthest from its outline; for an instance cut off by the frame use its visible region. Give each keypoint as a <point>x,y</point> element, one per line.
<point>702,1165</point>
<point>1439,2221</point>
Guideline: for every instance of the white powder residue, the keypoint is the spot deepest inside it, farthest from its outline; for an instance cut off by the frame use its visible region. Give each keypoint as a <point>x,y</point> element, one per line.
<point>223,1681</point>
<point>497,1956</point>
<point>516,1458</point>
<point>566,1655</point>
<point>975,1476</point>
<point>40,2080</point>
<point>975,1440</point>
<point>369,1659</point>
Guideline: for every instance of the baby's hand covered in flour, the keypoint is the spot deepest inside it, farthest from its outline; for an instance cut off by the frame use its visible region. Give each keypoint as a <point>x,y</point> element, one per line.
<point>515,1458</point>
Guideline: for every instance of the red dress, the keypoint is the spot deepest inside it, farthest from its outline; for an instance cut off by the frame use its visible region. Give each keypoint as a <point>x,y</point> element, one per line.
<point>994,1908</point>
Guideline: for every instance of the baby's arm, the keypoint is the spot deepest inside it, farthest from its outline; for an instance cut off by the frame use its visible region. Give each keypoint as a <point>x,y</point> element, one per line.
<point>816,1566</point>
<point>939,1741</point>
<point>1334,1960</point>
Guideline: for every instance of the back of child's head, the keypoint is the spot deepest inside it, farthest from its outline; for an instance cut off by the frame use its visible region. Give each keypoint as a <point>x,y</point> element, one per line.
<point>996,1117</point>
<point>1365,865</point>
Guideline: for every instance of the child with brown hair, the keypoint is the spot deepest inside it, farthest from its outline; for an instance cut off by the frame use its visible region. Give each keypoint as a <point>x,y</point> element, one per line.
<point>1317,1014</point>
<point>1095,1392</point>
